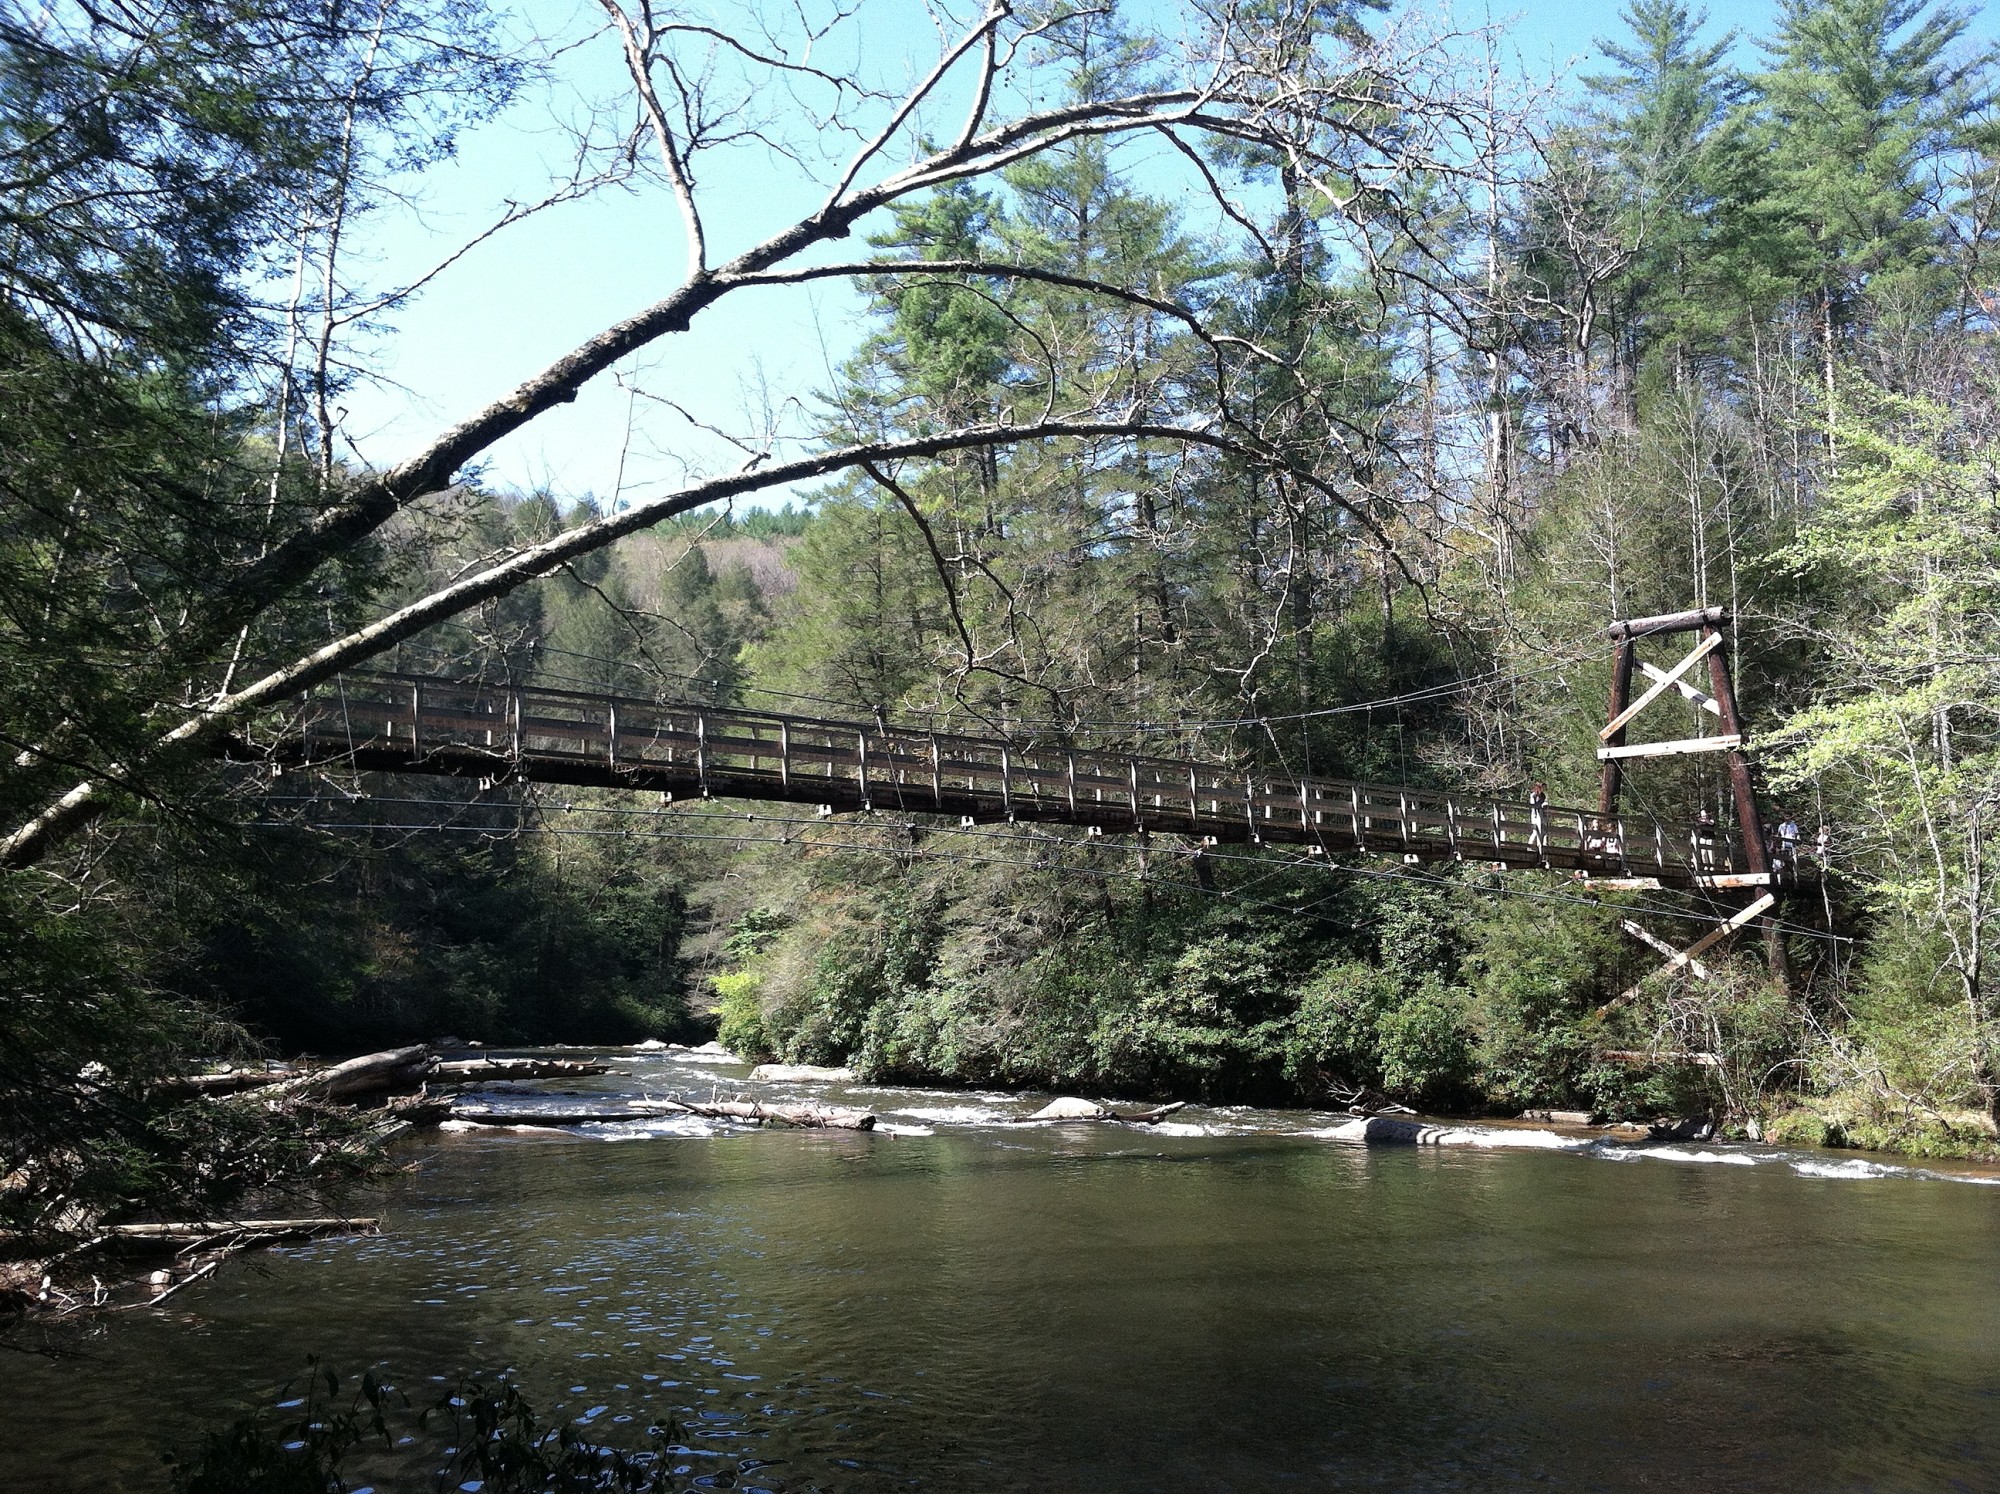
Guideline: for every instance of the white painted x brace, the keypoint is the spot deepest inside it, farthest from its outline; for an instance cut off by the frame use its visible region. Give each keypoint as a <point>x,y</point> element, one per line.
<point>1663,681</point>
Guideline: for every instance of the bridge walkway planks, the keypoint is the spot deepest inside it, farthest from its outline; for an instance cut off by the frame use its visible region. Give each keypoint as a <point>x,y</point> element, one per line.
<point>421,724</point>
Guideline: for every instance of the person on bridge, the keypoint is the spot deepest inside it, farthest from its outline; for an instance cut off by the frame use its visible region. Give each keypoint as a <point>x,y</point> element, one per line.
<point>1538,803</point>
<point>1704,841</point>
<point>1788,842</point>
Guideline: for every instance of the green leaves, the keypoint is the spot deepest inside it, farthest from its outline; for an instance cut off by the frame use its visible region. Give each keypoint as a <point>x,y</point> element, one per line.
<point>1903,739</point>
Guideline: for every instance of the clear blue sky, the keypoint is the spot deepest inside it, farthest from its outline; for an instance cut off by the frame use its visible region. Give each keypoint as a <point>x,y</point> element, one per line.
<point>522,299</point>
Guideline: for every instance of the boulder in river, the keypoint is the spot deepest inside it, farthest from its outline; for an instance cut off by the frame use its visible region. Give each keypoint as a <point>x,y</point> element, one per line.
<point>1070,1108</point>
<point>799,1073</point>
<point>1389,1128</point>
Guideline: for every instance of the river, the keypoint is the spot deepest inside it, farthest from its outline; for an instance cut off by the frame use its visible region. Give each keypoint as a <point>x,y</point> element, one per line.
<point>1233,1301</point>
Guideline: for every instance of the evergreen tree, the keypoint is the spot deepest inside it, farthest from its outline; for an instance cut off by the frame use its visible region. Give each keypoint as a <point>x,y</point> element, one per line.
<point>1665,118</point>
<point>1862,101</point>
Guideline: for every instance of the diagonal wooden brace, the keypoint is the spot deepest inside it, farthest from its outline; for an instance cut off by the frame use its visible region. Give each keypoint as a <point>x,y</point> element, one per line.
<point>1653,941</point>
<point>1686,957</point>
<point>1705,701</point>
<point>1700,651</point>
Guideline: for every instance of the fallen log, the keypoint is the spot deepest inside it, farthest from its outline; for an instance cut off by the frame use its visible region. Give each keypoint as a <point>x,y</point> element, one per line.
<point>222,1081</point>
<point>809,1117</point>
<point>1147,1117</point>
<point>371,1073</point>
<point>799,1073</point>
<point>1662,1058</point>
<point>478,1117</point>
<point>408,1112</point>
<point>213,1229</point>
<point>481,1070</point>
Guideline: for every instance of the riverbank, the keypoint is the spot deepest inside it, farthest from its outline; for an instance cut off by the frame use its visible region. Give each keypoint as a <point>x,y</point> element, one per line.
<point>1861,1122</point>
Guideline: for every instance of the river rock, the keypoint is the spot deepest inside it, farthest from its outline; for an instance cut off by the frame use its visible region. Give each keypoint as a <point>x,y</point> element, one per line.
<point>1381,1128</point>
<point>799,1073</point>
<point>1069,1108</point>
<point>651,1045</point>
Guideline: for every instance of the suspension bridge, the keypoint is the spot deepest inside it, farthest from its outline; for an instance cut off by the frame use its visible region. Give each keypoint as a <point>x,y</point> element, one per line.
<point>506,732</point>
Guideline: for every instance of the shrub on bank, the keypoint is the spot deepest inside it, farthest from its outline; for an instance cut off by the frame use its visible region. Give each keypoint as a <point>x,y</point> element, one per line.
<point>740,1010</point>
<point>1867,1122</point>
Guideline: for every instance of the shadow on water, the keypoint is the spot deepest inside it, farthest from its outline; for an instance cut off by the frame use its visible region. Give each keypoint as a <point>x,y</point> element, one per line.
<point>1100,1308</point>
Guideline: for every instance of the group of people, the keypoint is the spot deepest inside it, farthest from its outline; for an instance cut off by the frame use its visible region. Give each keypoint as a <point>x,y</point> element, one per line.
<point>1781,846</point>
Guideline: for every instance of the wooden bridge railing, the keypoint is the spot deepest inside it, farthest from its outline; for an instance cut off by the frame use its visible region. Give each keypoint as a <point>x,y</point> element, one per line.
<point>408,723</point>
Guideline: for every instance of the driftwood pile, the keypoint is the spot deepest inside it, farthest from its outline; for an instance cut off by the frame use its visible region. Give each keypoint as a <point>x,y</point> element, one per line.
<point>119,1266</point>
<point>182,1254</point>
<point>396,1090</point>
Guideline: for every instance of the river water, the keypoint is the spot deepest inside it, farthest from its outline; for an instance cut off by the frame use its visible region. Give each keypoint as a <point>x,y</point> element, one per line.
<point>1234,1301</point>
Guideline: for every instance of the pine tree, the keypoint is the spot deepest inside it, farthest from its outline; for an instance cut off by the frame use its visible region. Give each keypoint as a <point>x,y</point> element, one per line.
<point>1664,119</point>
<point>1862,99</point>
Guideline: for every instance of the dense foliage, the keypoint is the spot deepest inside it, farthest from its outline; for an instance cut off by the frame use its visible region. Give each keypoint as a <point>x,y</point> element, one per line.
<point>1737,353</point>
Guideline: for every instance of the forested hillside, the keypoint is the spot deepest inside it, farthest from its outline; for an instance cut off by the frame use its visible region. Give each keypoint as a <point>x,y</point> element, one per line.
<point>1337,462</point>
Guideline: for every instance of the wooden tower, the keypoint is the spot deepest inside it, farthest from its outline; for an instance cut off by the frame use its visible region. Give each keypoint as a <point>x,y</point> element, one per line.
<point>1710,627</point>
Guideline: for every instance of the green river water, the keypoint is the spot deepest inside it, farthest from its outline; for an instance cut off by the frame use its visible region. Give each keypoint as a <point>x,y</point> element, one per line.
<point>1230,1303</point>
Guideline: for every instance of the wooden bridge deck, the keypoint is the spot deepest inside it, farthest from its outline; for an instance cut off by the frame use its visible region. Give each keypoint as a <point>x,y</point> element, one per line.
<point>410,724</point>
